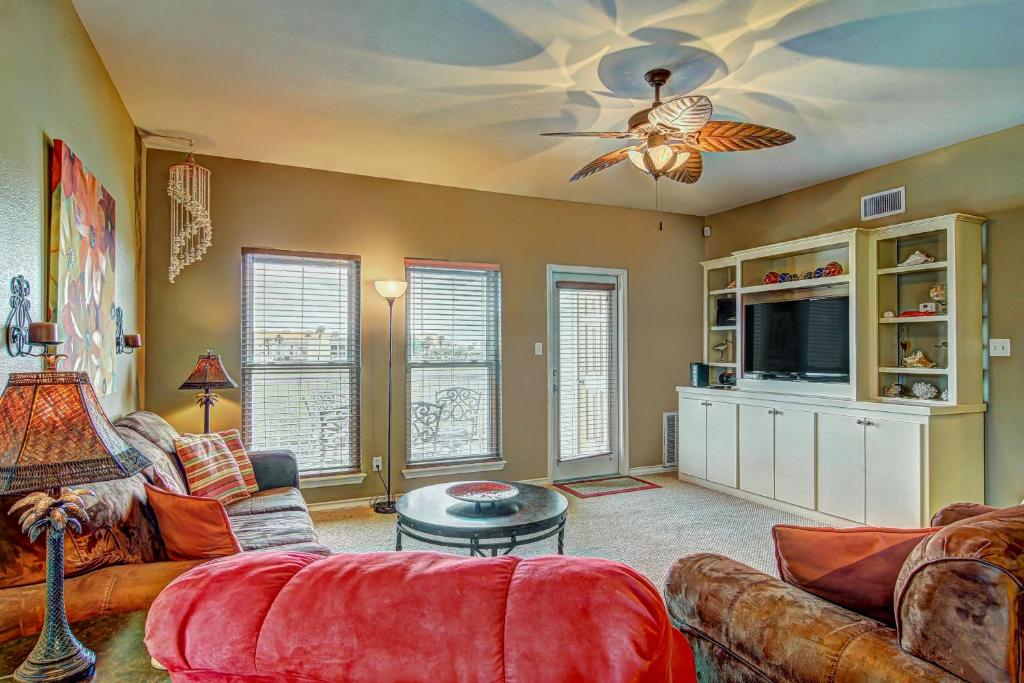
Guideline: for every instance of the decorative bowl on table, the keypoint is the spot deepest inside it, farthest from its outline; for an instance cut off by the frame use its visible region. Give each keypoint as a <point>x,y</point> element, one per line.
<point>482,491</point>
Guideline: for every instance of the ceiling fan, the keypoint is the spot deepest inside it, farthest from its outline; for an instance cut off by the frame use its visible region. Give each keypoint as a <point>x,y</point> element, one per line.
<point>672,135</point>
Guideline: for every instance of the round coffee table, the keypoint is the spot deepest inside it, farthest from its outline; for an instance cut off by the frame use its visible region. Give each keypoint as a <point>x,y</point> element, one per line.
<point>432,516</point>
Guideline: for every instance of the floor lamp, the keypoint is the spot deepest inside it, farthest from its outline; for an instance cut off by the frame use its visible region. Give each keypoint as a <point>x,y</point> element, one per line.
<point>389,290</point>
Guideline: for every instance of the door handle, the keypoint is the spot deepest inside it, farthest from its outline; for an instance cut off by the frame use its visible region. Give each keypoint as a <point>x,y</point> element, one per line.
<point>866,423</point>
<point>705,404</point>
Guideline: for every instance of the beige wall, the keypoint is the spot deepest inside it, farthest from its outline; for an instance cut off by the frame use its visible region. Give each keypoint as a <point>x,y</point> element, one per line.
<point>385,221</point>
<point>983,176</point>
<point>53,85</point>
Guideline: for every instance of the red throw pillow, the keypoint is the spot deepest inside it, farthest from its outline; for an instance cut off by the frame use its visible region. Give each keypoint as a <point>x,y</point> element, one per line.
<point>855,568</point>
<point>210,469</point>
<point>192,528</point>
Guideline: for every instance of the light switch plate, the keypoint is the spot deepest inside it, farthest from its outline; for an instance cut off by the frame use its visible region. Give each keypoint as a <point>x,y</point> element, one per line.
<point>999,347</point>
<point>538,348</point>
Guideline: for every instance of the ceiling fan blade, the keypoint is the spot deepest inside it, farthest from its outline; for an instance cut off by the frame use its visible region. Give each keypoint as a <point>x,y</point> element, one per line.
<point>603,162</point>
<point>593,134</point>
<point>736,136</point>
<point>691,169</point>
<point>687,113</point>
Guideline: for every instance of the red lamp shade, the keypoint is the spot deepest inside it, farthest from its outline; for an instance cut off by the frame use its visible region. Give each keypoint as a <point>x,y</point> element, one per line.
<point>209,373</point>
<point>53,433</point>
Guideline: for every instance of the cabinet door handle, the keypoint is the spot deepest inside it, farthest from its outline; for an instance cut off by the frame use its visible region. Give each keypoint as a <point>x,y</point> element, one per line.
<point>705,404</point>
<point>866,423</point>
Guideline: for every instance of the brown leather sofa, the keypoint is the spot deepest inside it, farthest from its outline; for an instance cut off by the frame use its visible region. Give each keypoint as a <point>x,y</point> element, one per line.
<point>118,564</point>
<point>958,614</point>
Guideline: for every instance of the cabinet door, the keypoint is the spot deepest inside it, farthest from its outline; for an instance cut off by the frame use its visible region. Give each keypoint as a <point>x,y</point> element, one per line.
<point>794,457</point>
<point>693,438</point>
<point>893,470</point>
<point>722,443</point>
<point>757,445</point>
<point>841,466</point>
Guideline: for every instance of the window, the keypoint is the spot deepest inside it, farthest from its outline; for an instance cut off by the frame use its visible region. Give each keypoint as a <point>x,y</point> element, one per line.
<point>300,357</point>
<point>453,361</point>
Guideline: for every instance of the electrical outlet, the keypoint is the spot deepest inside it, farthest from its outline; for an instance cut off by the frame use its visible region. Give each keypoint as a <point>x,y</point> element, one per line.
<point>538,349</point>
<point>999,347</point>
<point>377,465</point>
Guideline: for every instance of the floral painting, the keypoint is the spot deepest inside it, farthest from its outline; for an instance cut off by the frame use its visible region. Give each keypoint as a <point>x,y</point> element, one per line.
<point>81,277</point>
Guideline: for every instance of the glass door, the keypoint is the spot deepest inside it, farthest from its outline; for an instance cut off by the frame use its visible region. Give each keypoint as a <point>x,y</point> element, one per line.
<point>585,375</point>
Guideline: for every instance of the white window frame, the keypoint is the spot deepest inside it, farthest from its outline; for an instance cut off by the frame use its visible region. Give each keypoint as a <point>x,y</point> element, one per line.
<point>622,286</point>
<point>459,464</point>
<point>351,474</point>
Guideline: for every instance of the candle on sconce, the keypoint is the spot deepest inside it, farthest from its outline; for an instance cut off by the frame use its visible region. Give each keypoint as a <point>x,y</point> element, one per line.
<point>42,333</point>
<point>133,341</point>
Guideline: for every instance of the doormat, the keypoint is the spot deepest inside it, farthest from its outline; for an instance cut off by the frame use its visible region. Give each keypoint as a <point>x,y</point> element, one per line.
<point>606,486</point>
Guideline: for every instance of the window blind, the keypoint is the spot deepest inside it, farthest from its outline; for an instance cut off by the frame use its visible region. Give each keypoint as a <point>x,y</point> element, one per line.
<point>587,369</point>
<point>301,357</point>
<point>453,361</point>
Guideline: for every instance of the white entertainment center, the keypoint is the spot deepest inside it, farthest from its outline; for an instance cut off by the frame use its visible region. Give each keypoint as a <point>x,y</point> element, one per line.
<point>861,447</point>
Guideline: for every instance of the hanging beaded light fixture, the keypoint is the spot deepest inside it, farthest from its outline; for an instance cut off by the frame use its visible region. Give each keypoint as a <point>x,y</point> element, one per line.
<point>191,230</point>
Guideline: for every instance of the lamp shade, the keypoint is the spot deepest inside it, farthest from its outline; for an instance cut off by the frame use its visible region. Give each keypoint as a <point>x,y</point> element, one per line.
<point>209,373</point>
<point>53,433</point>
<point>390,289</point>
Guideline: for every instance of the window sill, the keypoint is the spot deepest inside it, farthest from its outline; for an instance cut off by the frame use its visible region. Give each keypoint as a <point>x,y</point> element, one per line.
<point>452,468</point>
<point>332,480</point>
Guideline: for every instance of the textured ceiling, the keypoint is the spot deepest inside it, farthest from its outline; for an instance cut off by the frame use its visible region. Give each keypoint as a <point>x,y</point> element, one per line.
<point>454,92</point>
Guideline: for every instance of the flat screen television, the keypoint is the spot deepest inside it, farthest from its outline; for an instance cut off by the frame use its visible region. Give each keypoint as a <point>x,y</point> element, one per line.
<point>801,339</point>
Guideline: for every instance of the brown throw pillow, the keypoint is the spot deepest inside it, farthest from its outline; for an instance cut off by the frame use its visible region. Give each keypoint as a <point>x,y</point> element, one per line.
<point>854,568</point>
<point>192,528</point>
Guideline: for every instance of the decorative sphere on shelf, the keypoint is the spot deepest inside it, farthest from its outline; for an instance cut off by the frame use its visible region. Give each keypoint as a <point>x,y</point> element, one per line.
<point>771,277</point>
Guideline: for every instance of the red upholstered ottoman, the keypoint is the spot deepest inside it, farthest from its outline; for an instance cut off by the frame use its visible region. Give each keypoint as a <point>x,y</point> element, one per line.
<point>389,617</point>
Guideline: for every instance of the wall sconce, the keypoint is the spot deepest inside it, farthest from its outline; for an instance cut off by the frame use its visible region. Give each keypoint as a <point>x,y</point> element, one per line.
<point>124,343</point>
<point>27,338</point>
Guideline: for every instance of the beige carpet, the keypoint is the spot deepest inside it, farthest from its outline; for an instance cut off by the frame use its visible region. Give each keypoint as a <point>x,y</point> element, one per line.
<point>647,530</point>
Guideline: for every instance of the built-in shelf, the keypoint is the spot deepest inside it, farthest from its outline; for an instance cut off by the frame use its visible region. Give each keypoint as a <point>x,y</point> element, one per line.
<point>919,268</point>
<point>905,400</point>
<point>720,292</point>
<point>914,371</point>
<point>722,365</point>
<point>914,319</point>
<point>798,284</point>
<point>720,328</point>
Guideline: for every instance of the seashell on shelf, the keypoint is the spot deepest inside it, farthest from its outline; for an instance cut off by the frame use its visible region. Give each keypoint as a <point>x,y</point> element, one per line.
<point>925,390</point>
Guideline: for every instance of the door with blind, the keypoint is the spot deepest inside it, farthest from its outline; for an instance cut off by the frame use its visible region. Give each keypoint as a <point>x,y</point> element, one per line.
<point>585,374</point>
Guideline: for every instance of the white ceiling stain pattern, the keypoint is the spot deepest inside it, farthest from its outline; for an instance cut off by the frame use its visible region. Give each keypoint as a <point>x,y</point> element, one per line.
<point>455,92</point>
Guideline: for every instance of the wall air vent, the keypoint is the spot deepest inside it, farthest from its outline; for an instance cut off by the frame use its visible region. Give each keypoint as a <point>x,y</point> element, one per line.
<point>886,203</point>
<point>669,452</point>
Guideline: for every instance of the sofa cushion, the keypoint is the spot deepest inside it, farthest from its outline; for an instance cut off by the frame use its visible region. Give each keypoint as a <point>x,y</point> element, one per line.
<point>120,530</point>
<point>271,500</point>
<point>152,427</point>
<point>165,463</point>
<point>111,590</point>
<point>855,568</point>
<point>233,440</point>
<point>287,527</point>
<point>496,619</point>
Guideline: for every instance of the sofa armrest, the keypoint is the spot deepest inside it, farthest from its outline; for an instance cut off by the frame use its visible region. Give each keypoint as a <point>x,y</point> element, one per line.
<point>960,597</point>
<point>778,632</point>
<point>274,469</point>
<point>956,512</point>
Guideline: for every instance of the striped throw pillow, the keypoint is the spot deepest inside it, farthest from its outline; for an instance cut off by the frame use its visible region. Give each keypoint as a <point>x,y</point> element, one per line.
<point>233,439</point>
<point>210,469</point>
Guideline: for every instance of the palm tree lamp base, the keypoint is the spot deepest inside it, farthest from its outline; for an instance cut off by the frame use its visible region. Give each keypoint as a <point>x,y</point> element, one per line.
<point>58,657</point>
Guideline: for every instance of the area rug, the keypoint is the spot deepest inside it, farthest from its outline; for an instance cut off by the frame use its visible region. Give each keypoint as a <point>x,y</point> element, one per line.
<point>605,486</point>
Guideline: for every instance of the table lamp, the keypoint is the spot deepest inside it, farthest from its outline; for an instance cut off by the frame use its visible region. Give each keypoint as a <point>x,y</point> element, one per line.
<point>209,373</point>
<point>53,434</point>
